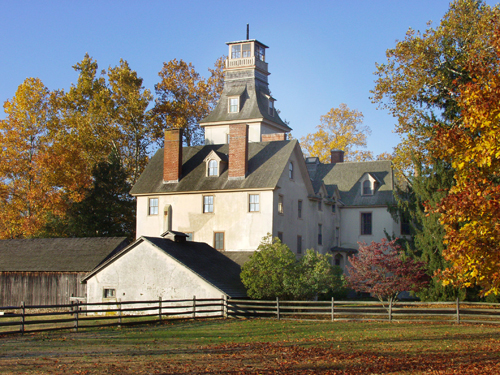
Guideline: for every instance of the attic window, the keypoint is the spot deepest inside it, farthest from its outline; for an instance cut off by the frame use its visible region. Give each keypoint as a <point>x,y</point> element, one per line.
<point>234,105</point>
<point>213,168</point>
<point>367,187</point>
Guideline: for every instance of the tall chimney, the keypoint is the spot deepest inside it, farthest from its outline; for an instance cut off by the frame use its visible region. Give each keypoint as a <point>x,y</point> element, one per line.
<point>172,156</point>
<point>238,151</point>
<point>337,156</point>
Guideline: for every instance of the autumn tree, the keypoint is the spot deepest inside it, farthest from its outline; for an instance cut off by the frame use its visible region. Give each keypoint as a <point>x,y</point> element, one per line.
<point>184,97</point>
<point>340,129</point>
<point>273,271</point>
<point>27,189</point>
<point>379,269</point>
<point>470,212</point>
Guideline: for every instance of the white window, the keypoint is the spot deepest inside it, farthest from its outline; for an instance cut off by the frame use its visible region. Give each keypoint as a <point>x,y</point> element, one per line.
<point>246,50</point>
<point>219,240</point>
<point>254,204</point>
<point>290,170</point>
<point>280,204</point>
<point>153,206</point>
<point>367,187</point>
<point>236,51</point>
<point>208,203</point>
<point>213,168</point>
<point>234,105</point>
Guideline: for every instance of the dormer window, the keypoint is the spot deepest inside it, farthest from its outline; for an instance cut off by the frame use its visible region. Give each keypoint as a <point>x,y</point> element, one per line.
<point>271,107</point>
<point>234,105</point>
<point>367,187</point>
<point>213,168</point>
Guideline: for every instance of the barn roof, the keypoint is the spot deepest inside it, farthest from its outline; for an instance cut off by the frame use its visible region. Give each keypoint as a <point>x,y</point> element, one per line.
<point>57,254</point>
<point>199,257</point>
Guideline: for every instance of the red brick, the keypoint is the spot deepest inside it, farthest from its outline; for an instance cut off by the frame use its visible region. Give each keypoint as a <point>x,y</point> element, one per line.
<point>238,151</point>
<point>273,137</point>
<point>172,156</point>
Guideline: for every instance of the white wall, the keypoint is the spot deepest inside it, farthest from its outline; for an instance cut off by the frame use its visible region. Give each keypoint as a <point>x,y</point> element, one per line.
<point>146,273</point>
<point>243,230</point>
<point>350,230</point>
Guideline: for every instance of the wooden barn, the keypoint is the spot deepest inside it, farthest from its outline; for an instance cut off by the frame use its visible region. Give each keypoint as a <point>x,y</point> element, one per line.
<point>48,271</point>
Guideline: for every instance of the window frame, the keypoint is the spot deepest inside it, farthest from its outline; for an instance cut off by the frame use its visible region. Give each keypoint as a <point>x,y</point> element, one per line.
<point>290,170</point>
<point>205,205</point>
<point>105,294</point>
<point>281,203</point>
<point>231,106</point>
<point>299,209</point>
<point>211,170</point>
<point>320,234</point>
<point>250,203</point>
<point>222,233</point>
<point>236,51</point>
<point>369,188</point>
<point>151,206</point>
<point>270,107</point>
<point>363,223</point>
<point>299,244</point>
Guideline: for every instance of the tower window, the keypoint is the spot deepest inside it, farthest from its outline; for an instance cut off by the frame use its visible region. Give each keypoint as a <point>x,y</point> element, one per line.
<point>236,51</point>
<point>271,107</point>
<point>260,52</point>
<point>246,50</point>
<point>234,105</point>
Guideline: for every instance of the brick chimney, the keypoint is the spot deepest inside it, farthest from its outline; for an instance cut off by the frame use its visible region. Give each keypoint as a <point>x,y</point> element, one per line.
<point>273,137</point>
<point>238,151</point>
<point>172,156</point>
<point>337,156</point>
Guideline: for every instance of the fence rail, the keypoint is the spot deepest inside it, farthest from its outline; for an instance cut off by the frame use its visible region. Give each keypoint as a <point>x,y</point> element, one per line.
<point>81,315</point>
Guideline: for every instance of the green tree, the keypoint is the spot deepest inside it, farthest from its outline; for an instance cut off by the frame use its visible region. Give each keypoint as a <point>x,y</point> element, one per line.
<point>273,271</point>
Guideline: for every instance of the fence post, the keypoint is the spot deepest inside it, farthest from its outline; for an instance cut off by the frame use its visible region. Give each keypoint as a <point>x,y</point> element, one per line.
<point>333,310</point>
<point>159,307</point>
<point>222,306</point>
<point>75,312</point>
<point>390,310</point>
<point>458,310</point>
<point>278,308</point>
<point>194,307</point>
<point>119,312</point>
<point>23,313</point>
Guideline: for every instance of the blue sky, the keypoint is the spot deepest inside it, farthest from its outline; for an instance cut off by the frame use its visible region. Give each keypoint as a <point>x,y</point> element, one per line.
<point>322,53</point>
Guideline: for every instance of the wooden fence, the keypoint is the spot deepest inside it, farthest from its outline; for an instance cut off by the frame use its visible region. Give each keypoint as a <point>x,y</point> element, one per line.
<point>453,312</point>
<point>81,315</point>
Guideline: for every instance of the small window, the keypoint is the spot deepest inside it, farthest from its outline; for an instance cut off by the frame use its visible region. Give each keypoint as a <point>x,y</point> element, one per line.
<point>320,204</point>
<point>219,240</point>
<point>253,203</point>
<point>299,209</point>
<point>367,187</point>
<point>290,170</point>
<point>236,51</point>
<point>366,223</point>
<point>246,49</point>
<point>271,107</point>
<point>208,203</point>
<point>213,168</point>
<point>234,105</point>
<point>190,236</point>
<point>260,52</point>
<point>109,293</point>
<point>280,236</point>
<point>227,138</point>
<point>320,234</point>
<point>280,204</point>
<point>153,206</point>
<point>299,244</point>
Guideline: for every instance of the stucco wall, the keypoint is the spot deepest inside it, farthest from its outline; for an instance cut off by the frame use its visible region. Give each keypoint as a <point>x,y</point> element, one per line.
<point>350,232</point>
<point>146,273</point>
<point>243,230</point>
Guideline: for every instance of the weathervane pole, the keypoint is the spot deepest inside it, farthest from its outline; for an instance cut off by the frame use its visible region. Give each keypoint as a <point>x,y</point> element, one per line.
<point>248,31</point>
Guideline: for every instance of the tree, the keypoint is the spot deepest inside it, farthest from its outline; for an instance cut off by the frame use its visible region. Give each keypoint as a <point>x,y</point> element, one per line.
<point>107,210</point>
<point>340,129</point>
<point>418,83</point>
<point>184,98</point>
<point>273,271</point>
<point>470,212</point>
<point>380,270</point>
<point>28,190</point>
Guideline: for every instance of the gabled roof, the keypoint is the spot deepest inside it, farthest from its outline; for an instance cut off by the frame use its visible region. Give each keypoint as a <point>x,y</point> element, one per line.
<point>57,254</point>
<point>266,162</point>
<point>202,259</point>
<point>346,177</point>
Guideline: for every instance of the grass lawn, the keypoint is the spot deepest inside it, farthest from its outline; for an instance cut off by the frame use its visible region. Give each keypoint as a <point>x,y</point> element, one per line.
<point>258,347</point>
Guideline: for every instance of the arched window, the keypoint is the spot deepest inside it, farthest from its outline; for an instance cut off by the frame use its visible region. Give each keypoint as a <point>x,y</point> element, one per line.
<point>367,187</point>
<point>290,170</point>
<point>213,168</point>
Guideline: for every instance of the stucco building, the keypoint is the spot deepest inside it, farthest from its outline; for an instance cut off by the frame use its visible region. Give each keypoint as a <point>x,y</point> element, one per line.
<point>249,180</point>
